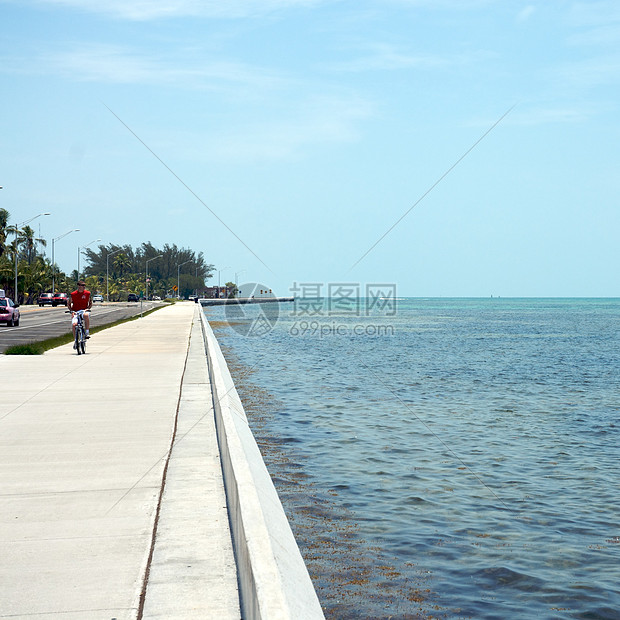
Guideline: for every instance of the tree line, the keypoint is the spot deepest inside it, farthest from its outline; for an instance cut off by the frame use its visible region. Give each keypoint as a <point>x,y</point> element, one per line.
<point>113,270</point>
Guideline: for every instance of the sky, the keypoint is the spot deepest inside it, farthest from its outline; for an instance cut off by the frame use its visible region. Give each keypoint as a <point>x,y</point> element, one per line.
<point>457,148</point>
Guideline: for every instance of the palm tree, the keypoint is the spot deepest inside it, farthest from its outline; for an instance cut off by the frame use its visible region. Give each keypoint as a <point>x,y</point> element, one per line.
<point>115,290</point>
<point>36,278</point>
<point>98,261</point>
<point>4,229</point>
<point>93,283</point>
<point>28,242</point>
<point>121,263</point>
<point>6,272</point>
<point>12,254</point>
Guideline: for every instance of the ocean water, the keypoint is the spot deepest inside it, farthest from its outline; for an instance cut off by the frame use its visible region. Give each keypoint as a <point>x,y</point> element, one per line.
<point>444,458</point>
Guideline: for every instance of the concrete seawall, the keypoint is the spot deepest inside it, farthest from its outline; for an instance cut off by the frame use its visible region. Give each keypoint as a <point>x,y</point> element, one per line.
<point>273,580</point>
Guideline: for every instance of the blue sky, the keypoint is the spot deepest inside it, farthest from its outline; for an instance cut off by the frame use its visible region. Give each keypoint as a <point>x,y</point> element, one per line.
<point>305,129</point>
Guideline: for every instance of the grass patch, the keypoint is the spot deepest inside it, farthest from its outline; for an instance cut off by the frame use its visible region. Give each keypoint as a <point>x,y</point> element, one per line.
<point>32,348</point>
<point>38,348</point>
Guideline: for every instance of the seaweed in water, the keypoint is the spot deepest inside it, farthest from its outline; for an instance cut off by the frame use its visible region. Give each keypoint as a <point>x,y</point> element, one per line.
<point>351,578</point>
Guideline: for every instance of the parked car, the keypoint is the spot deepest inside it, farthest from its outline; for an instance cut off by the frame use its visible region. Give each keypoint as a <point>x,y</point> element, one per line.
<point>132,297</point>
<point>97,297</point>
<point>59,299</point>
<point>45,299</point>
<point>9,312</point>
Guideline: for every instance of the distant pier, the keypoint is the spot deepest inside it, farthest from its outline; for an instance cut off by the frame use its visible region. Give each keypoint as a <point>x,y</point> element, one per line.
<point>222,301</point>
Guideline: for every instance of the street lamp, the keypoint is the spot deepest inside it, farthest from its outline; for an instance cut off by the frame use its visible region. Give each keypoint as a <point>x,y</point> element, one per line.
<point>107,272</point>
<point>178,277</point>
<point>83,248</point>
<point>219,285</point>
<point>53,261</point>
<point>147,274</point>
<point>16,234</point>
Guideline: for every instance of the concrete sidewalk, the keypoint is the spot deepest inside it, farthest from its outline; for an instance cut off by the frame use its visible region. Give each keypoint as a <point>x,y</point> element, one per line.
<point>85,443</point>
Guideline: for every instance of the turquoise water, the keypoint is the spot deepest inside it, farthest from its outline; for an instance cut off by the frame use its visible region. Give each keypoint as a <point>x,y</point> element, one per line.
<point>455,458</point>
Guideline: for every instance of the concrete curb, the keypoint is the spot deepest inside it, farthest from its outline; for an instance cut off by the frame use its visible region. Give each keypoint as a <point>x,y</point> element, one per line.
<point>273,580</point>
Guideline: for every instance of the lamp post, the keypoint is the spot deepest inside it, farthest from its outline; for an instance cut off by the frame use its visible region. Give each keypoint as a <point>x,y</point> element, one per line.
<point>179,277</point>
<point>16,234</point>
<point>147,274</point>
<point>219,285</point>
<point>53,261</point>
<point>107,272</point>
<point>83,248</point>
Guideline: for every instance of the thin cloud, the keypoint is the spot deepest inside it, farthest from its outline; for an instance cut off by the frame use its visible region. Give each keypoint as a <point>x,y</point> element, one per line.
<point>144,10</point>
<point>446,4</point>
<point>118,65</point>
<point>526,13</point>
<point>386,57</point>
<point>595,24</point>
<point>603,36</point>
<point>541,115</point>
<point>546,111</point>
<point>324,120</point>
<point>589,14</point>
<point>592,72</point>
<point>328,120</point>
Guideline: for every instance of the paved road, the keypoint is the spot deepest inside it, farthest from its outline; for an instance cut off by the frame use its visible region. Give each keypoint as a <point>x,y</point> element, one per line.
<point>38,324</point>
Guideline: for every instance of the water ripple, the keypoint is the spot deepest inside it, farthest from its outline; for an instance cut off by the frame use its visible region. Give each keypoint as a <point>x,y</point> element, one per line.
<point>473,455</point>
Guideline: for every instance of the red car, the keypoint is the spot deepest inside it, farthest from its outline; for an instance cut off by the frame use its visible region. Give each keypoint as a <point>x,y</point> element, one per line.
<point>45,299</point>
<point>59,298</point>
<point>9,312</point>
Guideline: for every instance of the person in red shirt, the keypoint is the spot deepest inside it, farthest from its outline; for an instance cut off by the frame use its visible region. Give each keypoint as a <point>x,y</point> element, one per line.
<point>81,300</point>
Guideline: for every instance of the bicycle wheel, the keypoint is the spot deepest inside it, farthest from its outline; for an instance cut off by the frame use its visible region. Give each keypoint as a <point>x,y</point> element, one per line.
<point>83,342</point>
<point>79,337</point>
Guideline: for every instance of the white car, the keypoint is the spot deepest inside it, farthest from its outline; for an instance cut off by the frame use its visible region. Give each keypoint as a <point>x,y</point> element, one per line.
<point>97,298</point>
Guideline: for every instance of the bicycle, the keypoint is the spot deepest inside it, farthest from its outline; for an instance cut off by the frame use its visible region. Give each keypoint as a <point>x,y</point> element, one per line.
<point>80,331</point>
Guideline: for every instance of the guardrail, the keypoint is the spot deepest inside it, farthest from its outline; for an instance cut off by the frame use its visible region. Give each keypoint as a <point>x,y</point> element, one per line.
<point>273,580</point>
